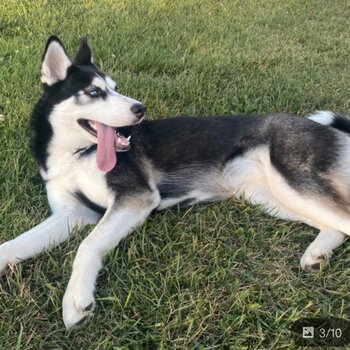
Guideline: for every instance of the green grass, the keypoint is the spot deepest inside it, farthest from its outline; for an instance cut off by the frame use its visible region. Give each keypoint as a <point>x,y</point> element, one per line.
<point>224,276</point>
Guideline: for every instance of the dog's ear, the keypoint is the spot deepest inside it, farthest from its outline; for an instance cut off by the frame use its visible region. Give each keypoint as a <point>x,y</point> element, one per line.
<point>84,55</point>
<point>55,62</point>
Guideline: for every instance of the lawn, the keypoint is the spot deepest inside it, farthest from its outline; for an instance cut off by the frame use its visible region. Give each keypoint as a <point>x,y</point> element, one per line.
<point>224,276</point>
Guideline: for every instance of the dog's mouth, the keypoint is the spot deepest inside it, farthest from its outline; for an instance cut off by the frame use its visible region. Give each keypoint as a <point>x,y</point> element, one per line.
<point>122,143</point>
<point>109,141</point>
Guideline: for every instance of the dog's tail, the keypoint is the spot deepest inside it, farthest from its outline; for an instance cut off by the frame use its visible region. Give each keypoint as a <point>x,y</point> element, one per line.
<point>335,120</point>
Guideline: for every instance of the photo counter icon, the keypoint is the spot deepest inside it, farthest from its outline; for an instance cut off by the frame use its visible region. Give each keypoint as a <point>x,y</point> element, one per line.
<point>308,332</point>
<point>321,332</point>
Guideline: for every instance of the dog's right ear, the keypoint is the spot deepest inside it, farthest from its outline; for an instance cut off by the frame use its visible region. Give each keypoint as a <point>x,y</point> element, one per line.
<point>55,62</point>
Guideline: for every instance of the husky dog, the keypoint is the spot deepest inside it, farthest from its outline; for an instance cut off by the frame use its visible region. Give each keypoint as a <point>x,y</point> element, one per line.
<point>94,173</point>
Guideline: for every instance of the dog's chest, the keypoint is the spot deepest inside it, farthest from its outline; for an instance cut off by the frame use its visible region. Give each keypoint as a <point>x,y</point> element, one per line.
<point>73,175</point>
<point>92,183</point>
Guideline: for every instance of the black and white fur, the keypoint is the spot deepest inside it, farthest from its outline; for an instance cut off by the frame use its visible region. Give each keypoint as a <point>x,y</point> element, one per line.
<point>298,168</point>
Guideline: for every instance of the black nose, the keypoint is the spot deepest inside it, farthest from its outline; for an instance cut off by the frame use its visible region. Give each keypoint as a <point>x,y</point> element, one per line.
<point>138,109</point>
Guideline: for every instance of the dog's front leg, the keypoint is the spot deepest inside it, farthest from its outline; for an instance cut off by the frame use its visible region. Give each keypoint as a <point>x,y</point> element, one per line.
<point>52,231</point>
<point>118,222</point>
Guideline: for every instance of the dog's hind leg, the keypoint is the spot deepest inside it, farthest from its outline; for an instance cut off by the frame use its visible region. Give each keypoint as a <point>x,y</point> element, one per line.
<point>52,231</point>
<point>261,183</point>
<point>319,211</point>
<point>321,248</point>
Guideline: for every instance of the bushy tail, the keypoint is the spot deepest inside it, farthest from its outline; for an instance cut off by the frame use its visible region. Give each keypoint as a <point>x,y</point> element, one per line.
<point>335,120</point>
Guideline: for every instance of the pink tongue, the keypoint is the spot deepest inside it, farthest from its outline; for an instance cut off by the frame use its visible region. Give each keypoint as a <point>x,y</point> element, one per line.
<point>106,157</point>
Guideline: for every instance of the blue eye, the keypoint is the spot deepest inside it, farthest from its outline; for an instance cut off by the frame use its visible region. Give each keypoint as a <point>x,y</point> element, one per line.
<point>95,92</point>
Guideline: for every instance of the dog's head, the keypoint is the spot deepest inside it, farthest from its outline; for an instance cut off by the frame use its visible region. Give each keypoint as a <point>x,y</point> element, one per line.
<point>83,103</point>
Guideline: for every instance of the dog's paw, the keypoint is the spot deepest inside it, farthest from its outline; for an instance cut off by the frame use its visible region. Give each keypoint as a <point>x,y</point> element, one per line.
<point>5,259</point>
<point>313,259</point>
<point>77,307</point>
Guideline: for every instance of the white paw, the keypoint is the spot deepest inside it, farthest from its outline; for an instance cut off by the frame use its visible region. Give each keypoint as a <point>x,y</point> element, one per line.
<point>313,258</point>
<point>78,305</point>
<point>5,258</point>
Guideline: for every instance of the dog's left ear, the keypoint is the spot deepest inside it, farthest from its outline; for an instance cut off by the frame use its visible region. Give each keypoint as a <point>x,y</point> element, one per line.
<point>84,55</point>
